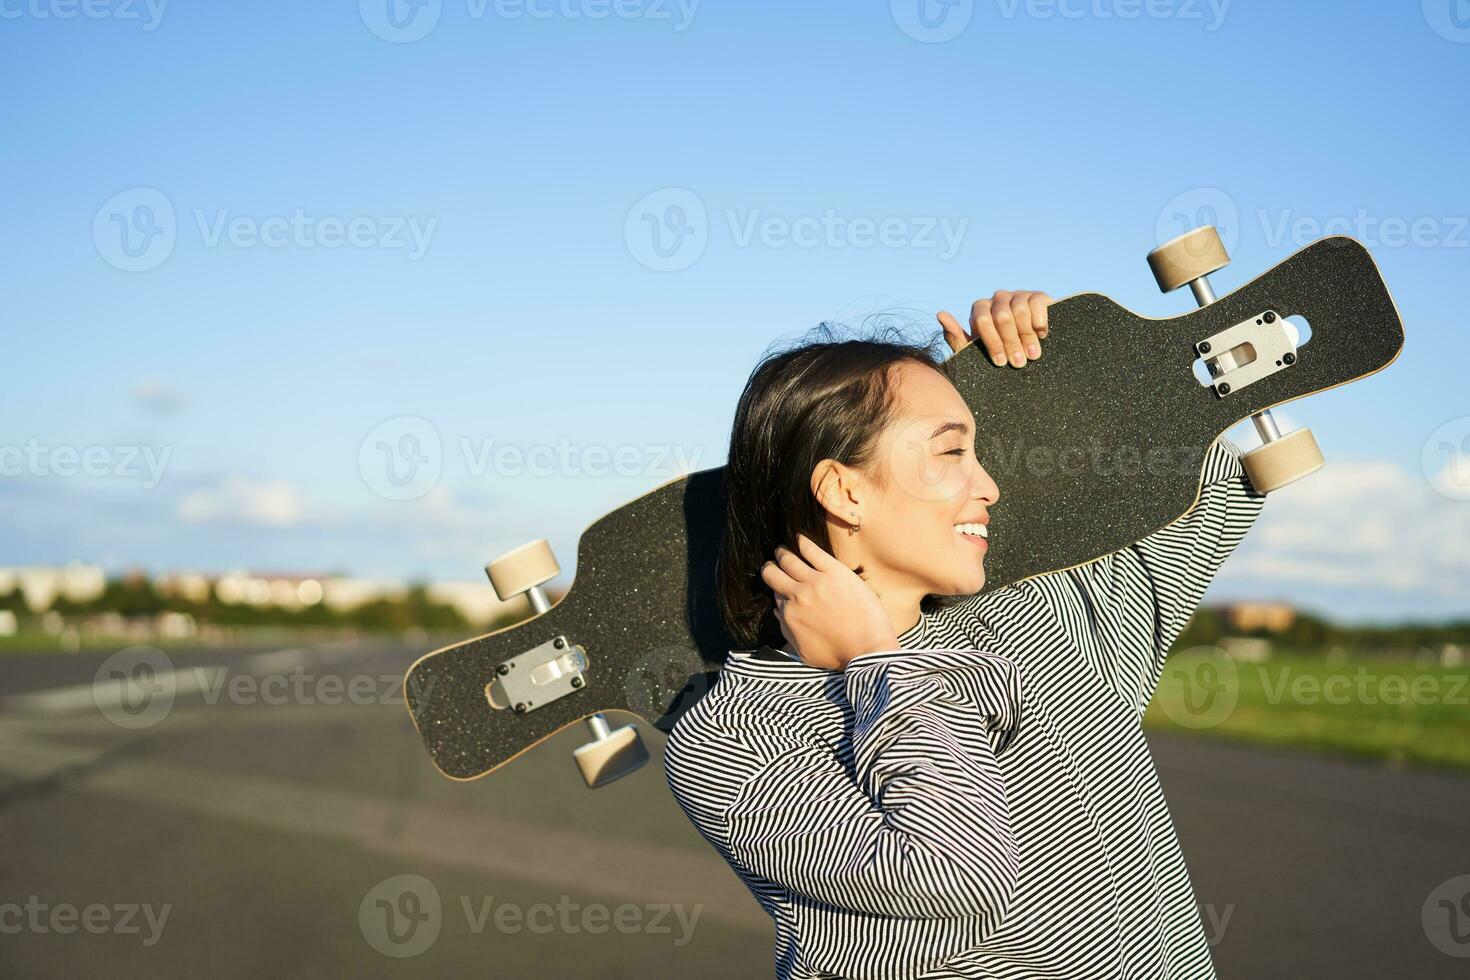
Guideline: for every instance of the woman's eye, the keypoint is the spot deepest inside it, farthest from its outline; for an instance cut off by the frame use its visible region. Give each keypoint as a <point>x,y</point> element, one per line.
<point>956,452</point>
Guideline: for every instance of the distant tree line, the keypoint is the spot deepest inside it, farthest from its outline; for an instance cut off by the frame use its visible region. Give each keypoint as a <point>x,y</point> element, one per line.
<point>136,597</point>
<point>1307,632</point>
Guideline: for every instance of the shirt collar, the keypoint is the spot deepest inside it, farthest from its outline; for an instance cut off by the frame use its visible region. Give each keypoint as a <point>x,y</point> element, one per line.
<point>746,664</point>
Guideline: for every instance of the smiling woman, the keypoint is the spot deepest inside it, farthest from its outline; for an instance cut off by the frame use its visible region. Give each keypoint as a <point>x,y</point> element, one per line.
<point>921,791</point>
<point>863,448</point>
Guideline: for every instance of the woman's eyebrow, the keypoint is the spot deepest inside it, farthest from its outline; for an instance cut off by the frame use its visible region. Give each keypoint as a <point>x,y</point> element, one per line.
<point>949,427</point>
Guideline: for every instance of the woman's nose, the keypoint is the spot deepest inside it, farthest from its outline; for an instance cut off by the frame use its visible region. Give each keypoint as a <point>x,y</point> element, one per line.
<point>984,488</point>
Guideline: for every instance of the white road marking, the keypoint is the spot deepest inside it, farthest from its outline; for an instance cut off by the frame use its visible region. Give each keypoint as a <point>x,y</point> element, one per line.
<point>275,662</point>
<point>94,696</point>
<point>631,871</point>
<point>184,680</point>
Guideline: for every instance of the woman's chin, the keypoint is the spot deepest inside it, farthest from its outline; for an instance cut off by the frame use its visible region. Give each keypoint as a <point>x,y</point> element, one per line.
<point>972,574</point>
<point>966,582</point>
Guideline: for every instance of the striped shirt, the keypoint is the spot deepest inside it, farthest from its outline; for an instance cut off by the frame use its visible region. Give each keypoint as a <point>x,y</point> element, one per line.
<point>981,802</point>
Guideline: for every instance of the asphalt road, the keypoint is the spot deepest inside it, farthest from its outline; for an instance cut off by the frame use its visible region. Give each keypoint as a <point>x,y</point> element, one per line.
<point>275,815</point>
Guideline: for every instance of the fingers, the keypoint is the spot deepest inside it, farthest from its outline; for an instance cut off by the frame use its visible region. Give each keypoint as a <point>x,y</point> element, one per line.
<point>954,334</point>
<point>781,621</point>
<point>1021,312</point>
<point>1010,326</point>
<point>785,575</point>
<point>982,328</point>
<point>816,555</point>
<point>791,563</point>
<point>1039,302</point>
<point>1005,325</point>
<point>777,580</point>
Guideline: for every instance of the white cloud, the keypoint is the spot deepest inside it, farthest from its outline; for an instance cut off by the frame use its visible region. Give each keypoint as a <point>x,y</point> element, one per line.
<point>240,521</point>
<point>271,503</point>
<point>156,397</point>
<point>1360,538</point>
<point>1361,524</point>
<point>1453,478</point>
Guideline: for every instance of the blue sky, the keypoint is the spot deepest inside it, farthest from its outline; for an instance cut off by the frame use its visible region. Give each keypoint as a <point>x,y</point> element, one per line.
<point>348,231</point>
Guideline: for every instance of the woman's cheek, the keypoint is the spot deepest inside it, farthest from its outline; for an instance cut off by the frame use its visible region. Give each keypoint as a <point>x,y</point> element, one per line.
<point>931,479</point>
<point>920,473</point>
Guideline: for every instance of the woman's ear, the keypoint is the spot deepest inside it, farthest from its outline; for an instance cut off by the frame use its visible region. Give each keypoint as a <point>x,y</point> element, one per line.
<point>838,489</point>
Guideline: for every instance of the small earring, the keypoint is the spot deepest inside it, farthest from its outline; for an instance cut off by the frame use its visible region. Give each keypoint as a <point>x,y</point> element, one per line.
<point>855,525</point>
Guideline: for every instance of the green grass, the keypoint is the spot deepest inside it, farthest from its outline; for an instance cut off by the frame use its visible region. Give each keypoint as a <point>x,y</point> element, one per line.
<point>40,643</point>
<point>36,642</point>
<point>1391,710</point>
<point>27,642</point>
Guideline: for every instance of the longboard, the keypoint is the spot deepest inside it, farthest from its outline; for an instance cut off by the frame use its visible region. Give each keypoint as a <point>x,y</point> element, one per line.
<point>1104,443</point>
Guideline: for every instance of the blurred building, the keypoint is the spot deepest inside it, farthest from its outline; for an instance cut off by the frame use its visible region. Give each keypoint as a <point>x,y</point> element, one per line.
<point>41,586</point>
<point>475,601</point>
<point>1273,617</point>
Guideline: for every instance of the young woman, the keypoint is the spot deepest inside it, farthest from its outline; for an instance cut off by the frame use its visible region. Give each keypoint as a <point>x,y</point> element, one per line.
<point>960,791</point>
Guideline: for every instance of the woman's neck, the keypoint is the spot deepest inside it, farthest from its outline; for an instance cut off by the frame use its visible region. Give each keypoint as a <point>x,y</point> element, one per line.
<point>903,611</point>
<point>901,600</point>
<point>901,604</point>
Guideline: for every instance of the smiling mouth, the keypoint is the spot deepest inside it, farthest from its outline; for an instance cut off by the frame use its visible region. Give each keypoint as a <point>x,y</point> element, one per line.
<point>976,534</point>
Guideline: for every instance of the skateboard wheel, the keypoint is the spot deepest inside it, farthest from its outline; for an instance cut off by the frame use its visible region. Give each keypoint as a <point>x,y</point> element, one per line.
<point>1184,259</point>
<point>1282,461</point>
<point>610,756</point>
<point>522,569</point>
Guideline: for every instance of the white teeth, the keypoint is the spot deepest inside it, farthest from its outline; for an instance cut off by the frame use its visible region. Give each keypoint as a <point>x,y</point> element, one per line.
<point>974,529</point>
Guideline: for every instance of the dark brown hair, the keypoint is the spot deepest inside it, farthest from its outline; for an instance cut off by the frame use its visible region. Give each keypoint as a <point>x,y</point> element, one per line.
<point>825,398</point>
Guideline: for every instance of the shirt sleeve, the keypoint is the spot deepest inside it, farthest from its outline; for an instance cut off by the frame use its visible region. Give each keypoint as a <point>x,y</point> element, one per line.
<point>1126,609</point>
<point>909,851</point>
